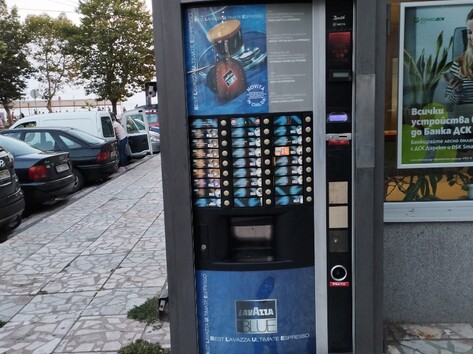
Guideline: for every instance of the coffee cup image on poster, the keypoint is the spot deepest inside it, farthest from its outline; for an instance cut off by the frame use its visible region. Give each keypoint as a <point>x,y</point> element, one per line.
<point>236,59</point>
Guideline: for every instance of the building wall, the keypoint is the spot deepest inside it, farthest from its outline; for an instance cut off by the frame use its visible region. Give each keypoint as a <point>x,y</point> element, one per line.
<point>428,272</point>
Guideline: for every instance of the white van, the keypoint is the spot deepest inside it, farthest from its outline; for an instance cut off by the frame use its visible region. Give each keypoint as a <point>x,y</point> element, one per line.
<point>98,123</point>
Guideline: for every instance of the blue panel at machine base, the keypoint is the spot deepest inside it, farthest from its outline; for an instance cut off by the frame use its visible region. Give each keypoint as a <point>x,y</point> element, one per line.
<point>256,312</point>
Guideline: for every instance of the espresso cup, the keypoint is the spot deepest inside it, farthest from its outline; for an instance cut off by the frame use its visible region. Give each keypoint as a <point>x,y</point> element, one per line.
<point>227,38</point>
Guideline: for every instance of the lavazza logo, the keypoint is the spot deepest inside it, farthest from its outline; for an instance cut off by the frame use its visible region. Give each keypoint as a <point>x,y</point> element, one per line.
<point>256,316</point>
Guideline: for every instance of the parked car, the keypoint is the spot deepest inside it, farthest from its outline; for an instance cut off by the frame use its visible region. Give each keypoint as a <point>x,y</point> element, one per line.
<point>154,134</point>
<point>97,123</point>
<point>12,202</point>
<point>139,136</point>
<point>152,114</point>
<point>43,175</point>
<point>92,158</point>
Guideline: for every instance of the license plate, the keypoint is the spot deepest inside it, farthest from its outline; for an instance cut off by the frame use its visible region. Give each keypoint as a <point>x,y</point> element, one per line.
<point>61,168</point>
<point>4,174</point>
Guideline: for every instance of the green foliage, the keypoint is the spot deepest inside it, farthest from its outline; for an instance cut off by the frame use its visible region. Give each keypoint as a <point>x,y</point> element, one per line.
<point>14,65</point>
<point>141,346</point>
<point>115,48</point>
<point>2,323</point>
<point>424,73</point>
<point>51,52</point>
<point>147,312</point>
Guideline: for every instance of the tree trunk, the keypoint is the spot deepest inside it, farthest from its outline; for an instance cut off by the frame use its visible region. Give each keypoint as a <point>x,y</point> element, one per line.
<point>114,105</point>
<point>9,116</point>
<point>49,106</point>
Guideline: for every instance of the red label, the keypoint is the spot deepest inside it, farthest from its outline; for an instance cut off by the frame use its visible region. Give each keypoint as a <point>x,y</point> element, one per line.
<point>339,284</point>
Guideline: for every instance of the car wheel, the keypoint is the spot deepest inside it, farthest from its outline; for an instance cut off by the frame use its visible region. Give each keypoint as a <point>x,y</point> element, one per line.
<point>78,180</point>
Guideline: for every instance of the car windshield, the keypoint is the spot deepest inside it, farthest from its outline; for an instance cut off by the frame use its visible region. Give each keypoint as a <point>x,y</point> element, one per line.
<point>152,117</point>
<point>87,137</point>
<point>17,147</point>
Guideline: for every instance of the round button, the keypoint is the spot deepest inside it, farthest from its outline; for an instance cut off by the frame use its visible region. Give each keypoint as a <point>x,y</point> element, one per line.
<point>267,162</point>
<point>226,203</point>
<point>226,193</point>
<point>203,247</point>
<point>338,273</point>
<point>267,152</point>
<point>224,143</point>
<point>308,169</point>
<point>309,189</point>
<point>266,121</point>
<point>266,131</point>
<point>223,122</point>
<point>309,199</point>
<point>268,172</point>
<point>224,133</point>
<point>309,179</point>
<point>308,119</point>
<point>225,163</point>
<point>225,173</point>
<point>268,192</point>
<point>308,139</point>
<point>224,153</point>
<point>308,149</point>
<point>308,159</point>
<point>308,130</point>
<point>267,141</point>
<point>267,182</point>
<point>226,183</point>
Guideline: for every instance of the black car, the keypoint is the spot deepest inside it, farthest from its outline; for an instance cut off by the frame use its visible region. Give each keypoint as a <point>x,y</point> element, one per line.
<point>92,158</point>
<point>12,202</point>
<point>43,175</point>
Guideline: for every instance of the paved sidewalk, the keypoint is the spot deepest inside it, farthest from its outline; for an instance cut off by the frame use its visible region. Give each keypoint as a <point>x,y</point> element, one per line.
<point>67,282</point>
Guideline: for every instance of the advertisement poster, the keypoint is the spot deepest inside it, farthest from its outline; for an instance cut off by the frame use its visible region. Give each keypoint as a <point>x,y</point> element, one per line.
<point>435,122</point>
<point>247,59</point>
<point>256,312</point>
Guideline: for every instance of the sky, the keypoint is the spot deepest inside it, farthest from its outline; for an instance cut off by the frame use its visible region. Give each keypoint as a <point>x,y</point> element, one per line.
<point>54,8</point>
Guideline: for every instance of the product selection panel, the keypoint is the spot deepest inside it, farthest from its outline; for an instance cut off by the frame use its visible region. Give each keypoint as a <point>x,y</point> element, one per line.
<point>252,161</point>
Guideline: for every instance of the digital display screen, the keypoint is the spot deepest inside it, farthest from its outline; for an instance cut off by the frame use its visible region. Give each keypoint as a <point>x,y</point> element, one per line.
<point>337,117</point>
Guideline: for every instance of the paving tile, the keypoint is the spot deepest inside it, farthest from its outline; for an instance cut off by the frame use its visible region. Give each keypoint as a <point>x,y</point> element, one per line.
<point>97,263</point>
<point>68,282</point>
<point>144,258</point>
<point>119,301</point>
<point>23,284</point>
<point>11,304</point>
<point>40,337</point>
<point>101,333</point>
<point>158,334</point>
<point>39,264</point>
<point>137,277</point>
<point>111,245</point>
<point>57,304</point>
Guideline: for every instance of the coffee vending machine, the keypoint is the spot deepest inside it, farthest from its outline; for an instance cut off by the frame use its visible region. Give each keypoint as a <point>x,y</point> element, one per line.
<point>261,250</point>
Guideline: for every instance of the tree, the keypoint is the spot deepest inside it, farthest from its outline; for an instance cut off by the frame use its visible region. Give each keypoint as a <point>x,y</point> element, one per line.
<point>14,65</point>
<point>115,48</point>
<point>51,52</point>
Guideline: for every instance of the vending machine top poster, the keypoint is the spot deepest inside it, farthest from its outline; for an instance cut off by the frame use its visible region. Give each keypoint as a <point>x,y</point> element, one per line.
<point>435,100</point>
<point>247,59</point>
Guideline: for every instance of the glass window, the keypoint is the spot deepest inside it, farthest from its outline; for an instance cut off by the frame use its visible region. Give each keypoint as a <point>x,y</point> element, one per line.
<point>107,127</point>
<point>70,143</point>
<point>131,127</point>
<point>424,122</point>
<point>40,140</point>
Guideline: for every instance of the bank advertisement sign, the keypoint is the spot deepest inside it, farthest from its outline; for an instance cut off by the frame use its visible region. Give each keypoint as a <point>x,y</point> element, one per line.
<point>256,312</point>
<point>247,59</point>
<point>435,100</point>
